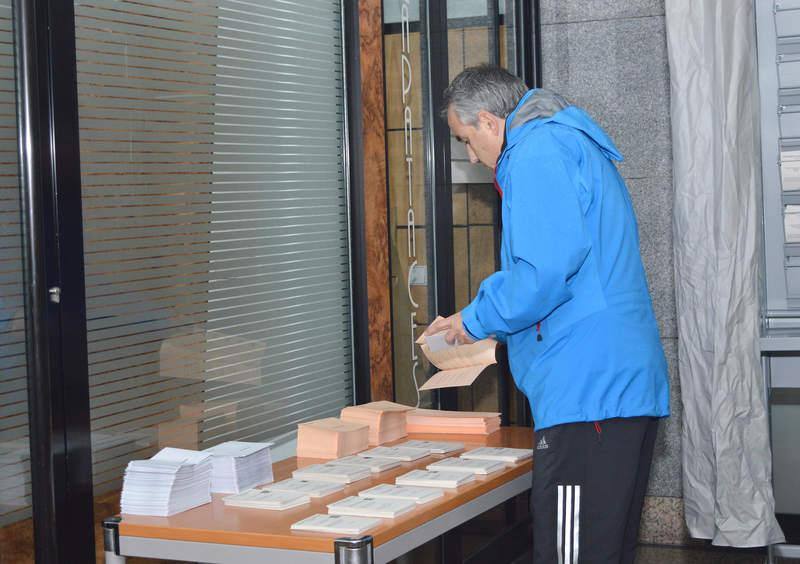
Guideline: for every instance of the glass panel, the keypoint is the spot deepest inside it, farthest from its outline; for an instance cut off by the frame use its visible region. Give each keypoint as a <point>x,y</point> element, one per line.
<point>215,224</point>
<point>409,199</point>
<point>16,538</point>
<point>474,40</point>
<point>791,223</point>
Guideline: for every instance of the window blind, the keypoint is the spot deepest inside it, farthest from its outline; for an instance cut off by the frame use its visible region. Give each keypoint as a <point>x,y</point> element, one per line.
<point>15,479</point>
<point>215,221</point>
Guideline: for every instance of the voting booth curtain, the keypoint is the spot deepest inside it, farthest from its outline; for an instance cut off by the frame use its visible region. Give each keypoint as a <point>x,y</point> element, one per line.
<point>714,106</point>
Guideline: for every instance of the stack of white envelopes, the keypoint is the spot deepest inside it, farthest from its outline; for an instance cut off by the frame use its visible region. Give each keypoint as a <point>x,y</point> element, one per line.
<point>310,488</point>
<point>466,465</point>
<point>427,478</point>
<point>502,454</point>
<point>371,507</point>
<point>238,466</point>
<point>265,499</point>
<point>337,473</point>
<point>416,494</point>
<point>404,454</point>
<point>172,481</point>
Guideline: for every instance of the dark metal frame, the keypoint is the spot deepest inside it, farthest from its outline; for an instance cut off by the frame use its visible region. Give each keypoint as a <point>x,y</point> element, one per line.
<point>58,381</point>
<point>528,30</point>
<point>354,162</point>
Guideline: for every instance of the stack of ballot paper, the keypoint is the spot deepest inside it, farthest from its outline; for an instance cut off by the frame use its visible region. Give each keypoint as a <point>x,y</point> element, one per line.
<point>469,466</point>
<point>434,447</point>
<point>403,454</point>
<point>337,473</point>
<point>308,487</point>
<point>172,481</point>
<point>386,420</point>
<point>264,499</point>
<point>374,463</point>
<point>416,494</point>
<point>456,422</point>
<point>339,524</point>
<point>239,466</point>
<point>426,478</point>
<point>371,507</point>
<point>331,438</point>
<point>507,455</point>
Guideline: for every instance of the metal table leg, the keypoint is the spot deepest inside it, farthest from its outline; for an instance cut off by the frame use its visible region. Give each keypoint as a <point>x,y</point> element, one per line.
<point>353,550</point>
<point>111,541</point>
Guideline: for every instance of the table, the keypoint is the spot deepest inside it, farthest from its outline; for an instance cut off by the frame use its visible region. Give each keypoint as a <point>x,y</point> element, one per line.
<point>218,534</point>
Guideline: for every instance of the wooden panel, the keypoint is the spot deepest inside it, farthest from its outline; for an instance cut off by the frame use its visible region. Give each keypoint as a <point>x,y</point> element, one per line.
<point>216,523</point>
<point>375,204</point>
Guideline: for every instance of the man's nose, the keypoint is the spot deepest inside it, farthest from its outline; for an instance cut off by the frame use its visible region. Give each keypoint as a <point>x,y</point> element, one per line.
<point>473,158</point>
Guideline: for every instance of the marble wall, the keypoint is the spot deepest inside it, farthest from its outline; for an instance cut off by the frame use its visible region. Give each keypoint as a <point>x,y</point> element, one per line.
<point>610,57</point>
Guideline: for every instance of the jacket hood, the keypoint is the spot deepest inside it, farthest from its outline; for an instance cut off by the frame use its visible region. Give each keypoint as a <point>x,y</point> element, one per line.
<point>545,106</point>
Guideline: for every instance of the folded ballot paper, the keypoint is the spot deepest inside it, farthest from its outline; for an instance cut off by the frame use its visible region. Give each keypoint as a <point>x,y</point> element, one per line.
<point>374,463</point>
<point>331,438</point>
<point>366,507</point>
<point>337,473</point>
<point>456,422</point>
<point>434,447</point>
<point>311,488</point>
<point>238,466</point>
<point>426,478</point>
<point>265,499</point>
<point>416,494</point>
<point>386,420</point>
<point>338,524</point>
<point>402,454</point>
<point>459,365</point>
<point>482,467</point>
<point>501,454</point>
<point>172,481</point>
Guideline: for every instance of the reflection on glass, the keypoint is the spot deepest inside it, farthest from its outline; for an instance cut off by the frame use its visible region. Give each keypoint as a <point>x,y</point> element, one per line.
<point>16,542</point>
<point>215,224</point>
<point>791,223</point>
<point>790,169</point>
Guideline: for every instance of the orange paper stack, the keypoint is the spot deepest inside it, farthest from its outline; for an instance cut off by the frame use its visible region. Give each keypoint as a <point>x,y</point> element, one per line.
<point>331,438</point>
<point>456,422</point>
<point>386,420</point>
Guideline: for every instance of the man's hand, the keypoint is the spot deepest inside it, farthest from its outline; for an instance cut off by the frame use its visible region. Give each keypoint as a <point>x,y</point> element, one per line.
<point>454,327</point>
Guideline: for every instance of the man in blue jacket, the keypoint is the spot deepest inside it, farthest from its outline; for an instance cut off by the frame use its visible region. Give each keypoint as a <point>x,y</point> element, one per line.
<point>572,305</point>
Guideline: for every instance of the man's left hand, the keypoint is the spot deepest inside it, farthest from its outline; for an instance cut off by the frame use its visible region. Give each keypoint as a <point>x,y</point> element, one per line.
<point>454,327</point>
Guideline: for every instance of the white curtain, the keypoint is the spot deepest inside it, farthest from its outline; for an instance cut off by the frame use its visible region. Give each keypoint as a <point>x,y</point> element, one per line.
<point>714,97</point>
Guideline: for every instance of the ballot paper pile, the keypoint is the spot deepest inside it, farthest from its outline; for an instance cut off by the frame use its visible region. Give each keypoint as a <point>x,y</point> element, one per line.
<point>502,454</point>
<point>456,422</point>
<point>338,524</point>
<point>336,473</point>
<point>172,481</point>
<point>459,365</point>
<point>265,499</point>
<point>331,438</point>
<point>386,420</point>
<point>238,466</point>
<point>371,507</point>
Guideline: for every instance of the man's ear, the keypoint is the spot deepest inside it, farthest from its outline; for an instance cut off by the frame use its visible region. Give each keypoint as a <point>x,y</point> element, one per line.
<point>489,120</point>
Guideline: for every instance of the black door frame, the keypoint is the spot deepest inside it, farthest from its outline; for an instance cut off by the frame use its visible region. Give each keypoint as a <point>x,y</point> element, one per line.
<point>58,381</point>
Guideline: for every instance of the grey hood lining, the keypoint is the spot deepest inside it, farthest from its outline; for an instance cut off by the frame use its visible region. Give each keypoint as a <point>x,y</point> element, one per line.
<point>541,104</point>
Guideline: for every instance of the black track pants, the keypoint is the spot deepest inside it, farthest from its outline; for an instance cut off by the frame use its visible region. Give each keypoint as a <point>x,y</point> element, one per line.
<point>589,481</point>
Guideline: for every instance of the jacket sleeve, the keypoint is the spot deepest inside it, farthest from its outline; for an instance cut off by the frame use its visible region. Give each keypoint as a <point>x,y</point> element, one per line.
<point>549,243</point>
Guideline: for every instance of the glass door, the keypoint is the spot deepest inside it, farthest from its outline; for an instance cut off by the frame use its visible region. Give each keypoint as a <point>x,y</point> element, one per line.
<point>466,220</point>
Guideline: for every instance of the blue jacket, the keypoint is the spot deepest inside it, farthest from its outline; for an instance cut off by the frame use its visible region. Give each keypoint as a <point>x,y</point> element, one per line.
<point>571,273</point>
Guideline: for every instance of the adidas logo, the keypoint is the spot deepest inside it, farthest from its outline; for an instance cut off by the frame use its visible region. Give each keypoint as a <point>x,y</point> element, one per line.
<point>542,444</point>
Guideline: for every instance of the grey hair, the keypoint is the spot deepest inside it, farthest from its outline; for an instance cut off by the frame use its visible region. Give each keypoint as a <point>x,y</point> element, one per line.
<point>484,87</point>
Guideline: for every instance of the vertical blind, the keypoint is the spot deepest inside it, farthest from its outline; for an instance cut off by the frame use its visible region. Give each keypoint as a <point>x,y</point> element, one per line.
<point>215,221</point>
<point>15,482</point>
